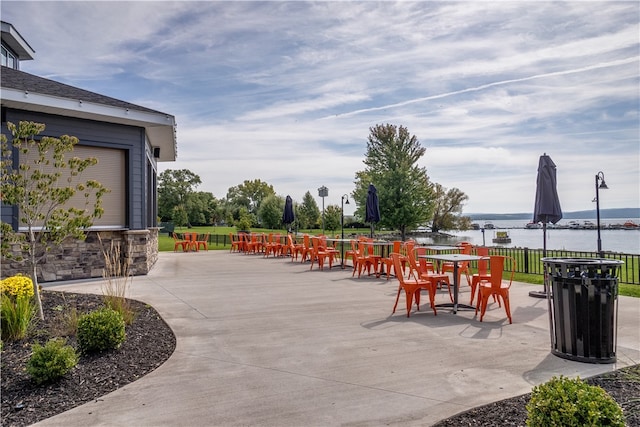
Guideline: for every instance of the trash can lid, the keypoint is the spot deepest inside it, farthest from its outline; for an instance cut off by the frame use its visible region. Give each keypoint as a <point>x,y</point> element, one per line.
<point>582,261</point>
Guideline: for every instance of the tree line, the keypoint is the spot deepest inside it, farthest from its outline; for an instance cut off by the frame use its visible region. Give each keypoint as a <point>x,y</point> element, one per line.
<point>406,195</point>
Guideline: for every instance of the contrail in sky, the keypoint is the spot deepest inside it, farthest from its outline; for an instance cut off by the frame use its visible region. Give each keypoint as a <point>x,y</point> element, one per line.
<point>488,85</point>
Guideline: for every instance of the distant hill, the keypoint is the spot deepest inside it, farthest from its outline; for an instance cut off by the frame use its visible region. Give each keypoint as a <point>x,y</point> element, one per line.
<point>631,213</point>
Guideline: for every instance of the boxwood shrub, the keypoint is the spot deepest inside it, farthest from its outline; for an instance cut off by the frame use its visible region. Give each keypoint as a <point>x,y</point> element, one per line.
<point>572,402</point>
<point>100,330</point>
<point>51,362</point>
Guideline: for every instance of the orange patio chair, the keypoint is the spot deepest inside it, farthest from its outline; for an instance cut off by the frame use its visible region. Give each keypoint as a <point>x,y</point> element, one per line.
<point>292,249</point>
<point>202,242</point>
<point>254,243</point>
<point>387,262</point>
<point>495,286</point>
<point>271,244</point>
<point>192,238</point>
<point>483,270</point>
<point>412,288</point>
<point>362,259</point>
<point>246,242</point>
<point>236,242</point>
<point>419,271</point>
<point>463,267</point>
<point>179,243</point>
<point>351,253</point>
<point>329,248</point>
<point>374,256</point>
<point>307,250</point>
<point>319,254</point>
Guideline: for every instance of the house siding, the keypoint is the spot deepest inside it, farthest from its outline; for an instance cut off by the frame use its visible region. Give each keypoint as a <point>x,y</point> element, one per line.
<point>84,259</point>
<point>100,134</point>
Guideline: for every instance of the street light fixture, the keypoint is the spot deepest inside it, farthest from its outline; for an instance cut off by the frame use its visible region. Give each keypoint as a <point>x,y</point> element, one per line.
<point>323,192</point>
<point>603,186</point>
<point>342,203</point>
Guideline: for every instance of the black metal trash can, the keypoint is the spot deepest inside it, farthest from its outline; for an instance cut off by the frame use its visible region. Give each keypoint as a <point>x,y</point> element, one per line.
<point>583,308</point>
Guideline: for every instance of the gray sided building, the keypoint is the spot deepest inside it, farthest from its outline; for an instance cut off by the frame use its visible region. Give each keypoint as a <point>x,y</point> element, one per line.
<point>129,140</point>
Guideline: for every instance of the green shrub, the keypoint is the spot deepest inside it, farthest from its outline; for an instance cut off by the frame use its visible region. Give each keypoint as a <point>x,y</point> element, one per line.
<point>51,362</point>
<point>572,402</point>
<point>100,330</point>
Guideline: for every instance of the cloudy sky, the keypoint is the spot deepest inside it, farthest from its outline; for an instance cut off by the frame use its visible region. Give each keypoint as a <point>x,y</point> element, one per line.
<point>286,92</point>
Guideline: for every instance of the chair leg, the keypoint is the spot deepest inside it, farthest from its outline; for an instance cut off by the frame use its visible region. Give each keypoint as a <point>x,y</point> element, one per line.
<point>484,303</point>
<point>397,298</point>
<point>474,285</point>
<point>507,308</point>
<point>409,297</point>
<point>449,289</point>
<point>432,298</point>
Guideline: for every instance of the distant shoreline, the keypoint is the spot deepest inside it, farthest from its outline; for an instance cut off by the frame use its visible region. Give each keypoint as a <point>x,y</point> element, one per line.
<point>631,213</point>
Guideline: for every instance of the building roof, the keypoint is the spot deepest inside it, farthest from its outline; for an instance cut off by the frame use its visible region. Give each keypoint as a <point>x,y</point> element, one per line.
<point>12,38</point>
<point>28,92</point>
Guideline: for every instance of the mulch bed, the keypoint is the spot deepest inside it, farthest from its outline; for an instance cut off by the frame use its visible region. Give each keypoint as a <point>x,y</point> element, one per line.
<point>150,342</point>
<point>623,385</point>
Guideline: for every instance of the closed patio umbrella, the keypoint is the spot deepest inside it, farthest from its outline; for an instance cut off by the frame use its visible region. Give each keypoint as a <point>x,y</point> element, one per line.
<point>547,204</point>
<point>372,214</point>
<point>287,216</point>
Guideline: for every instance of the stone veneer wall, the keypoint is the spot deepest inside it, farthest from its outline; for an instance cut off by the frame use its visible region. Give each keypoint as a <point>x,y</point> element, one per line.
<point>77,259</point>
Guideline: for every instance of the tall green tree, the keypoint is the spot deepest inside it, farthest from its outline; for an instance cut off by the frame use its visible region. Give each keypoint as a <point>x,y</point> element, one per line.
<point>270,211</point>
<point>201,208</point>
<point>250,194</point>
<point>54,201</point>
<point>308,212</point>
<point>404,191</point>
<point>175,188</point>
<point>447,214</point>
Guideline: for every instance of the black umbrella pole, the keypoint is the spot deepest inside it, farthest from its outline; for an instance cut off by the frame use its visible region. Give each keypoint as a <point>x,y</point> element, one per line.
<point>543,293</point>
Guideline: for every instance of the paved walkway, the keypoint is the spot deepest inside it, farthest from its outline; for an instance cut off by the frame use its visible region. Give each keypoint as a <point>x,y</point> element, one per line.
<point>266,342</point>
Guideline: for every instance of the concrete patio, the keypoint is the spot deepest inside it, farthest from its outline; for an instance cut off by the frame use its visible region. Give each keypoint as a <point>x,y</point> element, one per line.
<point>267,342</point>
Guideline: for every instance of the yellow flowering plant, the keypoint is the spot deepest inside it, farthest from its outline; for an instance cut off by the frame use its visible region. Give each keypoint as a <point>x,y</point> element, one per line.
<point>17,286</point>
<point>16,306</point>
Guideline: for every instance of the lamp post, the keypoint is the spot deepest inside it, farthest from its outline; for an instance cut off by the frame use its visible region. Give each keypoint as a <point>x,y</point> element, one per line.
<point>342,202</point>
<point>323,192</point>
<point>603,186</point>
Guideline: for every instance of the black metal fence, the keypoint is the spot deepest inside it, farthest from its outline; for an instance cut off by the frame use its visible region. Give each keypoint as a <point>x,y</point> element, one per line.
<point>528,260</point>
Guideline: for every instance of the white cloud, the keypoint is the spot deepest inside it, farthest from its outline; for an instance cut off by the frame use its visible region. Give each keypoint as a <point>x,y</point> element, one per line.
<point>287,91</point>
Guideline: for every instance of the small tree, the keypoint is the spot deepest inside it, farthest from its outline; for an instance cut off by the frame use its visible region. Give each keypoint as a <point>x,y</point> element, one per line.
<point>332,216</point>
<point>308,213</point>
<point>270,211</point>
<point>180,217</point>
<point>41,191</point>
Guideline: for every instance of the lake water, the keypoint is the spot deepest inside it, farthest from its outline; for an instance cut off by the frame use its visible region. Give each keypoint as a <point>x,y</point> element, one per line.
<point>625,241</point>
